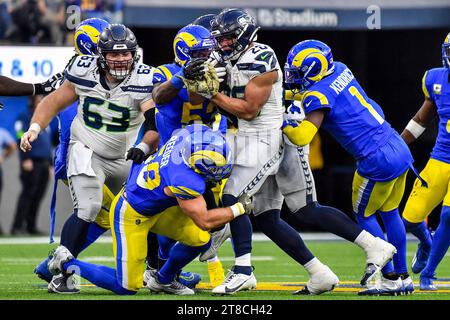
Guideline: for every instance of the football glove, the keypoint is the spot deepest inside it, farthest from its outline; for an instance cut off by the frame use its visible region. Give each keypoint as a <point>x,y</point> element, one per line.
<point>289,122</point>
<point>246,202</point>
<point>207,86</point>
<point>194,69</point>
<point>138,153</point>
<point>48,86</point>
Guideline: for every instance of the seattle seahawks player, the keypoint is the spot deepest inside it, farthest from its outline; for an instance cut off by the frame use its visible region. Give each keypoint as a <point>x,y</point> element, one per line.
<point>254,96</point>
<point>85,39</point>
<point>436,88</point>
<point>332,98</point>
<point>114,91</point>
<point>163,195</point>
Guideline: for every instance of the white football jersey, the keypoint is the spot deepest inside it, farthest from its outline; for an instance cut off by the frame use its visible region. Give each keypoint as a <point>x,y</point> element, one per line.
<point>108,120</point>
<point>257,60</point>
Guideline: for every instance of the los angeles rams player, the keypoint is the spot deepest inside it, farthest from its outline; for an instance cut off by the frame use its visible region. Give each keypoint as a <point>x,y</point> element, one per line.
<point>295,184</point>
<point>332,98</point>
<point>176,108</point>
<point>162,195</point>
<point>422,200</point>
<point>114,91</point>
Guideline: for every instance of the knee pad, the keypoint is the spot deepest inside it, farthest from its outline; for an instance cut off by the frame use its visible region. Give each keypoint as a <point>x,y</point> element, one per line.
<point>90,211</point>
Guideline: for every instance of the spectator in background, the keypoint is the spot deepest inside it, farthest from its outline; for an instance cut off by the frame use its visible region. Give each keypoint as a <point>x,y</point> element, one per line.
<point>35,170</point>
<point>53,19</point>
<point>5,18</point>
<point>7,147</point>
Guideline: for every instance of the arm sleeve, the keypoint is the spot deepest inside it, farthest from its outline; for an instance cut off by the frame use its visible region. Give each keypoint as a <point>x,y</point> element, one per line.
<point>150,123</point>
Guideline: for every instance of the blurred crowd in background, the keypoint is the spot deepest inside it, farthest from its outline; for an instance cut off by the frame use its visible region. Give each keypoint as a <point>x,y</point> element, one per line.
<point>45,21</point>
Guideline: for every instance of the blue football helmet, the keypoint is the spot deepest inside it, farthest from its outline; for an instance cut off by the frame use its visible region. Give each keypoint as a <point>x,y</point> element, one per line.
<point>446,52</point>
<point>87,34</point>
<point>234,24</point>
<point>207,152</point>
<point>192,41</point>
<point>307,63</point>
<point>204,21</point>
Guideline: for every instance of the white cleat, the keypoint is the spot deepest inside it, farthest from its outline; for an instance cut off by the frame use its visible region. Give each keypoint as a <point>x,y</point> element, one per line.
<point>385,287</point>
<point>235,282</point>
<point>59,256</point>
<point>174,287</point>
<point>148,273</point>
<point>320,282</point>
<point>377,256</point>
<point>217,239</point>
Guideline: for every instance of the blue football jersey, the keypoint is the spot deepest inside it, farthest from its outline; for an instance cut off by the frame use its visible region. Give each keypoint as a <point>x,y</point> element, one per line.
<point>179,112</point>
<point>357,123</point>
<point>436,87</point>
<point>165,169</point>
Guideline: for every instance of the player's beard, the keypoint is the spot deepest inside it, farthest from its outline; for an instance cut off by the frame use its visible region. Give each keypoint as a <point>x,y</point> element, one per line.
<point>119,69</point>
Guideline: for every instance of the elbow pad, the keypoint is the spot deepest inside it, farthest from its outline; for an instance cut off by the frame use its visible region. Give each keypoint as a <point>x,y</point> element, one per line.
<point>302,134</point>
<point>150,122</point>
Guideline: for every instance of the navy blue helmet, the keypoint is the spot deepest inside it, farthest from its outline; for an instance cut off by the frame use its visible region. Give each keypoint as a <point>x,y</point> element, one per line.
<point>204,21</point>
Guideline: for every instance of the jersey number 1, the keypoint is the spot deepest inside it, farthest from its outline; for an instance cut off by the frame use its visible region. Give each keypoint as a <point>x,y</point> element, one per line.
<point>354,92</point>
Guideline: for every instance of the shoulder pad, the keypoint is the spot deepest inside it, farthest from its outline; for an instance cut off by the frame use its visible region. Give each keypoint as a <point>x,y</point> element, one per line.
<point>259,58</point>
<point>80,66</point>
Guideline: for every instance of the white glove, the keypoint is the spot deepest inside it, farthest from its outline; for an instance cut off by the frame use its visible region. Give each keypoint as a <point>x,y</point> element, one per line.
<point>221,73</point>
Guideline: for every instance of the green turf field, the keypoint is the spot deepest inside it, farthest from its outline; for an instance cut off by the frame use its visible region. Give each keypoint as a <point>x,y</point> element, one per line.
<point>278,275</point>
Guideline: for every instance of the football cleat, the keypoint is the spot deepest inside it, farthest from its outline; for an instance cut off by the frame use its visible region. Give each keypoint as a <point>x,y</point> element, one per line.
<point>420,259</point>
<point>384,287</point>
<point>320,282</point>
<point>377,256</point>
<point>42,270</point>
<point>147,274</point>
<point>235,282</point>
<point>174,287</point>
<point>217,239</point>
<point>216,273</point>
<point>58,257</point>
<point>64,284</point>
<point>408,285</point>
<point>426,283</point>
<point>189,279</point>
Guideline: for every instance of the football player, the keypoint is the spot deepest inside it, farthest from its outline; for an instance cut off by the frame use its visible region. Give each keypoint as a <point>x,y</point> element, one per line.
<point>114,93</point>
<point>253,95</point>
<point>333,99</point>
<point>422,200</point>
<point>176,108</point>
<point>162,195</point>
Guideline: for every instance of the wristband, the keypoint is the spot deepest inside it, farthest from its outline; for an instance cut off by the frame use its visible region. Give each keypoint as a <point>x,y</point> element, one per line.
<point>237,209</point>
<point>35,127</point>
<point>415,128</point>
<point>143,147</point>
<point>176,81</point>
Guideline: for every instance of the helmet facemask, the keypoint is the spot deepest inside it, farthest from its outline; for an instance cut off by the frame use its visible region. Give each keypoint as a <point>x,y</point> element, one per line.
<point>119,69</point>
<point>446,54</point>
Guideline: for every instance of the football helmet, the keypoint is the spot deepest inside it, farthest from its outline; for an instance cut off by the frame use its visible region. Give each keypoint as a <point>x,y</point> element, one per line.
<point>307,63</point>
<point>207,152</point>
<point>446,52</point>
<point>87,34</point>
<point>117,38</point>
<point>238,27</point>
<point>204,21</point>
<point>192,41</point>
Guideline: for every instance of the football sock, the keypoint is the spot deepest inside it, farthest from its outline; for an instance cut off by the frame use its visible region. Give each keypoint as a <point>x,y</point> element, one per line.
<point>284,236</point>
<point>241,230</point>
<point>152,250</point>
<point>73,234</point>
<point>396,234</point>
<point>371,225</point>
<point>165,245</point>
<point>102,276</point>
<point>329,219</point>
<point>441,242</point>
<point>179,257</point>
<point>421,231</point>
<point>94,232</point>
